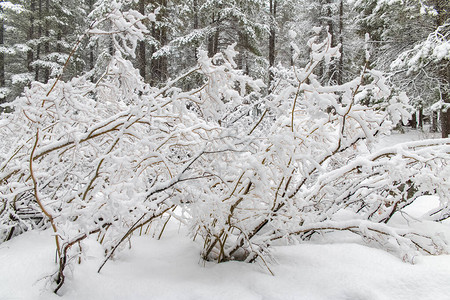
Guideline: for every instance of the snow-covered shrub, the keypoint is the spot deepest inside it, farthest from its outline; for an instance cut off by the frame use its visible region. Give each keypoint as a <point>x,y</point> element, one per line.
<point>110,157</point>
<point>310,161</point>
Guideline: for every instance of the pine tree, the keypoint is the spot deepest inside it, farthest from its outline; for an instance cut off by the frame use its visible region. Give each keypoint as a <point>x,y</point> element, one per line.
<point>13,46</point>
<point>37,41</point>
<point>409,28</point>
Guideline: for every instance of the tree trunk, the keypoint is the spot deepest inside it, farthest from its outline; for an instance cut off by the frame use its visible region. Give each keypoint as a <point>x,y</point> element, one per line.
<point>329,21</point>
<point>213,40</point>
<point>2,56</point>
<point>340,75</point>
<point>445,112</point>
<point>152,60</point>
<point>442,8</point>
<point>46,43</point>
<point>91,48</point>
<point>216,40</point>
<point>272,39</point>
<point>141,59</point>
<point>111,46</point>
<point>38,47</point>
<point>434,121</point>
<point>159,65</point>
<point>195,8</point>
<point>332,73</point>
<point>445,116</point>
<point>196,26</point>
<point>30,36</point>
<point>291,54</point>
<point>163,66</point>
<point>413,121</point>
<point>420,118</point>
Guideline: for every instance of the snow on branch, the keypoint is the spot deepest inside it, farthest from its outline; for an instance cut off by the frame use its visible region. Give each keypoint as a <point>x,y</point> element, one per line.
<point>436,48</point>
<point>313,163</point>
<point>108,157</point>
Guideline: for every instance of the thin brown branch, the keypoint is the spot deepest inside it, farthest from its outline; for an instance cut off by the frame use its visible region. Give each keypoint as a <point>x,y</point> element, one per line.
<point>38,200</point>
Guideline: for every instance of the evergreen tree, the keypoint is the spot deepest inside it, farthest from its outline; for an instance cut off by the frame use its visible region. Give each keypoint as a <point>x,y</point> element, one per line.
<point>413,29</point>
<point>38,36</point>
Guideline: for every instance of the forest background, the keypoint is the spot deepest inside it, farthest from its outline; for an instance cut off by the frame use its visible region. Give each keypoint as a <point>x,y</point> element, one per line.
<point>408,40</point>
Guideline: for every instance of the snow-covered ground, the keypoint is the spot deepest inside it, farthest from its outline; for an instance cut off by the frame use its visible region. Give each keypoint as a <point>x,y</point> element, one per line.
<point>408,135</point>
<point>170,268</point>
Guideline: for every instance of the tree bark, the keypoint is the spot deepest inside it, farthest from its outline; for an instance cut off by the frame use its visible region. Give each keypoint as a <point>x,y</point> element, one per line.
<point>30,53</point>
<point>2,55</point>
<point>442,8</point>
<point>38,47</point>
<point>272,39</point>
<point>413,121</point>
<point>195,8</point>
<point>340,75</point>
<point>420,118</point>
<point>159,65</point>
<point>332,69</point>
<point>91,48</point>
<point>445,112</point>
<point>216,40</point>
<point>196,26</point>
<point>434,121</point>
<point>46,43</point>
<point>141,58</point>
<point>213,40</point>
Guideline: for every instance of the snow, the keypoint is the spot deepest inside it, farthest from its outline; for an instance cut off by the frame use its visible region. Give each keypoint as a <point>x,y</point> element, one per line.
<point>409,135</point>
<point>170,268</point>
<point>292,34</point>
<point>421,206</point>
<point>340,267</point>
